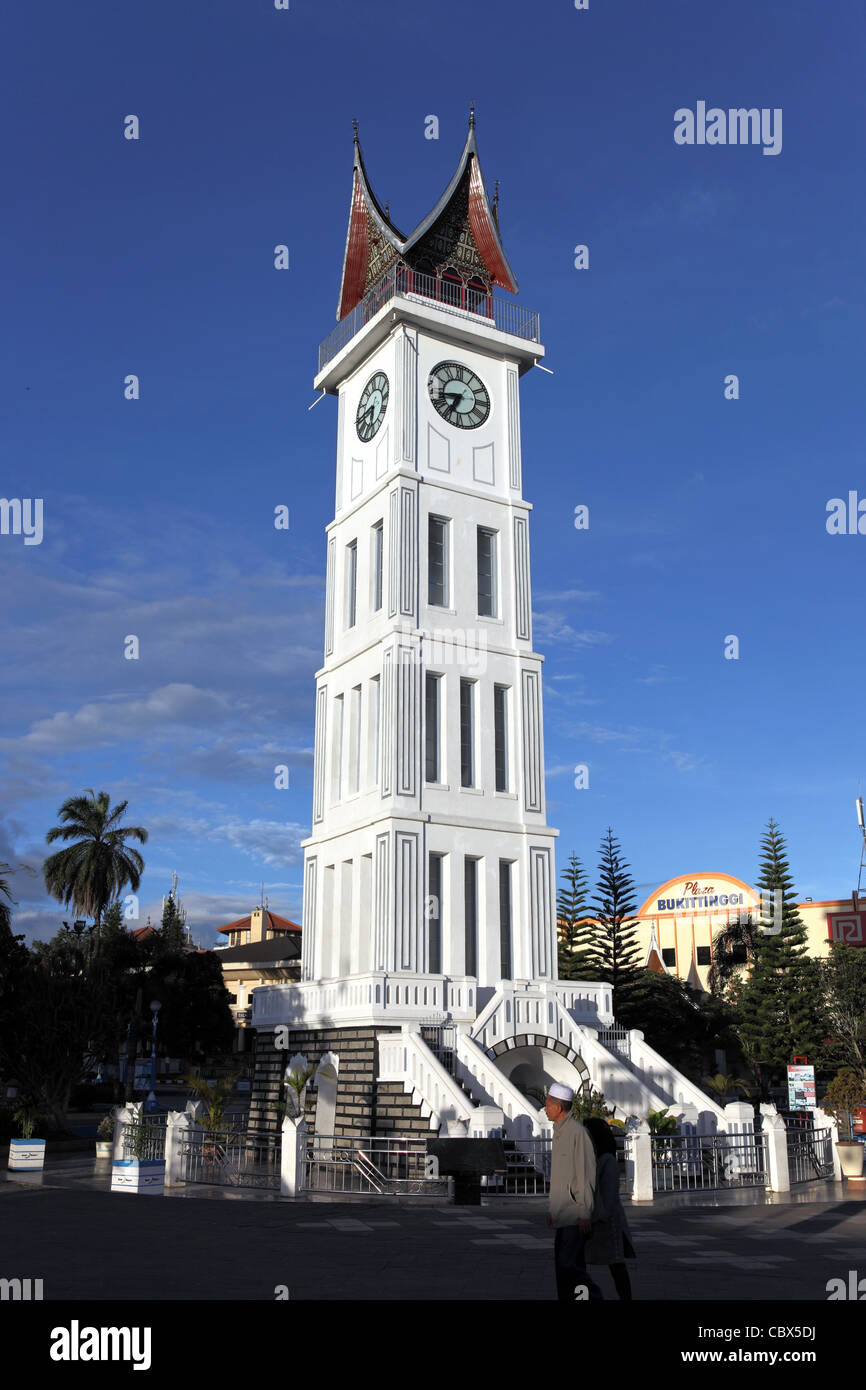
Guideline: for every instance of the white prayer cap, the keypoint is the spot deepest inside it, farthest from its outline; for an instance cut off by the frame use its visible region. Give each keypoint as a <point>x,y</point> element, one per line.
<point>559,1092</point>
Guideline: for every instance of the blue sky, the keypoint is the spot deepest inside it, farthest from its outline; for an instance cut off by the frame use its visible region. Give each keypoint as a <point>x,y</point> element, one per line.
<point>707,516</point>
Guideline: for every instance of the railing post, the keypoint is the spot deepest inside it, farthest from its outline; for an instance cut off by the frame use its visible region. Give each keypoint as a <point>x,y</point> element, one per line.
<point>773,1127</point>
<point>293,1156</point>
<point>639,1161</point>
<point>178,1127</point>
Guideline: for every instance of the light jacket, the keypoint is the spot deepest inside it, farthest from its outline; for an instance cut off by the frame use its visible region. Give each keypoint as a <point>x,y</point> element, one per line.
<point>572,1174</point>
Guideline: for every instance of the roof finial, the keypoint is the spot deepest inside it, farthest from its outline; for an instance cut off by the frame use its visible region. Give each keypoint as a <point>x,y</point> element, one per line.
<point>472,115</point>
<point>355,128</point>
<point>388,211</point>
<point>496,193</point>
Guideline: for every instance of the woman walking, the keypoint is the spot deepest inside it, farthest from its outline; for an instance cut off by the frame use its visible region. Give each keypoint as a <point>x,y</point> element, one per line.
<point>610,1243</point>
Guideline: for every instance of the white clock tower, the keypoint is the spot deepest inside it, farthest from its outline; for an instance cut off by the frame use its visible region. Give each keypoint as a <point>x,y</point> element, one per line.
<point>429,923</point>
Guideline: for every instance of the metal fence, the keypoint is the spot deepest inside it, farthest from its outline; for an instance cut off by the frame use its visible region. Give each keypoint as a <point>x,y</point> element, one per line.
<point>232,1158</point>
<point>810,1154</point>
<point>617,1039</point>
<point>455,296</point>
<point>528,1172</point>
<point>372,1165</point>
<point>689,1162</point>
<point>148,1139</point>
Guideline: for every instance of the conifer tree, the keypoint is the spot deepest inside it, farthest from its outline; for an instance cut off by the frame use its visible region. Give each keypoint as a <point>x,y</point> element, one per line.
<point>613,944</point>
<point>778,1008</point>
<point>173,924</point>
<point>576,961</point>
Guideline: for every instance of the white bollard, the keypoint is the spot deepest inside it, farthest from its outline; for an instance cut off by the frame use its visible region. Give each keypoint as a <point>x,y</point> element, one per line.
<point>639,1162</point>
<point>293,1157</point>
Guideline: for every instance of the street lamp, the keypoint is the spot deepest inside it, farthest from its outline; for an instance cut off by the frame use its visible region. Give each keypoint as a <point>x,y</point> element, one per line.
<point>151,1105</point>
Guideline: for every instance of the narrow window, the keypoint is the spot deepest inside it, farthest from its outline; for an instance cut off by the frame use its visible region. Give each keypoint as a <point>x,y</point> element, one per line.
<point>375,717</point>
<point>337,753</point>
<point>355,742</point>
<point>376,567</point>
<point>500,736</point>
<point>431,721</point>
<point>505,918</point>
<point>470,908</point>
<point>434,914</point>
<point>351,582</point>
<point>487,596</point>
<point>437,561</point>
<point>467,734</point>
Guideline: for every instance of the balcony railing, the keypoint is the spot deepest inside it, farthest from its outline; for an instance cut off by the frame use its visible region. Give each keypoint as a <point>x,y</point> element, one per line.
<point>469,300</point>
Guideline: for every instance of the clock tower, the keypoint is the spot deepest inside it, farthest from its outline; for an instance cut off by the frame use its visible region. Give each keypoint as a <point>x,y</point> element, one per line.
<point>429,921</point>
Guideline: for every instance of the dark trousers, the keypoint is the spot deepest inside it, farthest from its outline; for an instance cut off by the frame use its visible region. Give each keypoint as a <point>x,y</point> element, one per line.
<point>571,1268</point>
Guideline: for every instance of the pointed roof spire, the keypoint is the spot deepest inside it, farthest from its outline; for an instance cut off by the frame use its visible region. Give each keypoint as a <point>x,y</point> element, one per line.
<point>366,258</point>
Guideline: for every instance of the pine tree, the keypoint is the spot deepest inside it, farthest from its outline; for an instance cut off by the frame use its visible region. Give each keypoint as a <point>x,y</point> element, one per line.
<point>173,923</point>
<point>112,921</point>
<point>573,927</point>
<point>613,944</point>
<point>778,1010</point>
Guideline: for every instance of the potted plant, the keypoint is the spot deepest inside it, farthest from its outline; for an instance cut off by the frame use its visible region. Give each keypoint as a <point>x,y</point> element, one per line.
<point>845,1094</point>
<point>26,1153</point>
<point>214,1096</point>
<point>139,1173</point>
<point>105,1136</point>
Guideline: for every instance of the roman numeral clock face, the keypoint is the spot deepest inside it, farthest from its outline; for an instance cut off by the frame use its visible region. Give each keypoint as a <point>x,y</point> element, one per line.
<point>372,407</point>
<point>460,397</point>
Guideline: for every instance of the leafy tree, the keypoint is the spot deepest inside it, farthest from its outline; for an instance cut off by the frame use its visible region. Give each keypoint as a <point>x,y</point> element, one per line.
<point>195,1018</point>
<point>575,929</point>
<point>778,1013</point>
<point>58,1018</point>
<point>99,864</point>
<point>613,944</point>
<point>684,1025</point>
<point>842,981</point>
<point>843,1097</point>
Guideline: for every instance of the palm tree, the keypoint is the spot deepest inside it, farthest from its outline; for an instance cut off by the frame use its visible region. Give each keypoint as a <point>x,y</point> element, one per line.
<point>99,865</point>
<point>724,1085</point>
<point>733,947</point>
<point>5,914</point>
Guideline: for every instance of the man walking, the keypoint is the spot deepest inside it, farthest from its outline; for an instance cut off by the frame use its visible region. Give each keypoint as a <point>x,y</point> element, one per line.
<point>572,1192</point>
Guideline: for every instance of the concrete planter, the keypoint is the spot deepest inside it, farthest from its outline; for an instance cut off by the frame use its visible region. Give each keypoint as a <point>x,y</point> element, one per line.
<point>104,1148</point>
<point>26,1153</point>
<point>851,1154</point>
<point>142,1175</point>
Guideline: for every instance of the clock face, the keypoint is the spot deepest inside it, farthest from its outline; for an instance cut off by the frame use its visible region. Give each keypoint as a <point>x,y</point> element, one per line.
<point>372,406</point>
<point>458,395</point>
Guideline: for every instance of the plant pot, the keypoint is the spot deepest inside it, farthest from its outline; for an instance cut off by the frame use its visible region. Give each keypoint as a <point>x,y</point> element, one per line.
<point>104,1148</point>
<point>142,1175</point>
<point>851,1153</point>
<point>26,1153</point>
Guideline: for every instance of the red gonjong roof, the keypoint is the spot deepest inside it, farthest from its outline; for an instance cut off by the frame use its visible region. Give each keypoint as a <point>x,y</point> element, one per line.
<point>365,205</point>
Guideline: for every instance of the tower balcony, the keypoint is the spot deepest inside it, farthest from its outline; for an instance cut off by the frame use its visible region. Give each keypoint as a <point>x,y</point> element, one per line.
<point>468,302</point>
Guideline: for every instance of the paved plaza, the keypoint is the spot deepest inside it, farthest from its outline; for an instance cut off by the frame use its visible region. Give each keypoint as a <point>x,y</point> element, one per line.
<point>65,1227</point>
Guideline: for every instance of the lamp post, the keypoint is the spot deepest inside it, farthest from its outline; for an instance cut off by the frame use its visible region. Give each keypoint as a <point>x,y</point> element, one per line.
<point>151,1105</point>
